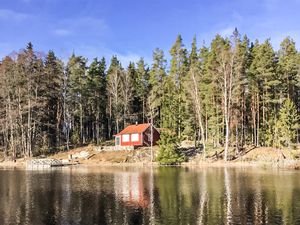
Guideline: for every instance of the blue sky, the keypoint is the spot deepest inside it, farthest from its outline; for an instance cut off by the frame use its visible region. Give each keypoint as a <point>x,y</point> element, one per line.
<point>133,28</point>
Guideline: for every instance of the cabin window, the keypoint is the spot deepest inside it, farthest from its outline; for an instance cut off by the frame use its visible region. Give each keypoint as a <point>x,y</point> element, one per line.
<point>117,140</point>
<point>125,137</point>
<point>135,137</point>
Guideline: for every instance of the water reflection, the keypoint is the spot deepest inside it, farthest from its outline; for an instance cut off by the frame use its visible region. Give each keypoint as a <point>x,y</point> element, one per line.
<point>131,187</point>
<point>150,196</point>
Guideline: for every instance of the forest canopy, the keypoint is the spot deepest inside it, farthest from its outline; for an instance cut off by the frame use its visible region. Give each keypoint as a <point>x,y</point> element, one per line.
<point>232,92</point>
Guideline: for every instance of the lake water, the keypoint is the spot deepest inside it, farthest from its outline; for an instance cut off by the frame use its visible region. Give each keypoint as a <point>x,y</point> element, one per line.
<point>168,195</point>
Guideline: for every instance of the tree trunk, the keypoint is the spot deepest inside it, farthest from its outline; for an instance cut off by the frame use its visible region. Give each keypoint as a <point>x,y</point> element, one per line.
<point>110,119</point>
<point>206,126</point>
<point>82,139</point>
<point>28,151</point>
<point>227,133</point>
<point>226,116</point>
<point>143,109</point>
<point>23,139</point>
<point>258,123</point>
<point>218,128</point>
<point>97,127</point>
<point>236,140</point>
<point>254,113</point>
<point>243,122</point>
<point>198,106</point>
<point>58,121</point>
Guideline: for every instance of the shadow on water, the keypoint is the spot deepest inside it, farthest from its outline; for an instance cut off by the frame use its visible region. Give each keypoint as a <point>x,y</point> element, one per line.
<point>165,195</point>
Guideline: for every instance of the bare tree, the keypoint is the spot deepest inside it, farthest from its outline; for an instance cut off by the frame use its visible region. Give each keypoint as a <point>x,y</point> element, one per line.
<point>226,71</point>
<point>194,92</point>
<point>126,87</point>
<point>114,94</point>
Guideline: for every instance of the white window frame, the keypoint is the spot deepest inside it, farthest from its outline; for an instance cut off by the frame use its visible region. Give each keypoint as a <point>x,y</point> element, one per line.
<point>125,138</point>
<point>135,137</point>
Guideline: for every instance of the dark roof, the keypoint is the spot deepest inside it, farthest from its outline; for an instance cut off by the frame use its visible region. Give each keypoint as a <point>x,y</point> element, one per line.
<point>137,128</point>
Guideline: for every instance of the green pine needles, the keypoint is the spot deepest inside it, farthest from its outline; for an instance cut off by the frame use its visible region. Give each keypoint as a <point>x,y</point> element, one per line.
<point>168,149</point>
<point>286,126</point>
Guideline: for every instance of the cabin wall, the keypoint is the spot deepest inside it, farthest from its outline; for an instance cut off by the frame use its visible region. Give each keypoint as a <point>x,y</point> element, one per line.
<point>144,139</point>
<point>130,142</point>
<point>147,137</point>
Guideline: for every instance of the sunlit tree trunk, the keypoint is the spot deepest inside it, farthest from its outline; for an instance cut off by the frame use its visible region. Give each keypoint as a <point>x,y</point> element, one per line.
<point>194,92</point>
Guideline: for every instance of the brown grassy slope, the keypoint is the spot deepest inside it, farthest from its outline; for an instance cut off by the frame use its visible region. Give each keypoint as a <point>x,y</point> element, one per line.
<point>269,154</point>
<point>122,156</point>
<point>262,154</point>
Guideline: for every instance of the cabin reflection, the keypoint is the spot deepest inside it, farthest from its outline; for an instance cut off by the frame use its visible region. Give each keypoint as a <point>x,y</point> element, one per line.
<point>130,188</point>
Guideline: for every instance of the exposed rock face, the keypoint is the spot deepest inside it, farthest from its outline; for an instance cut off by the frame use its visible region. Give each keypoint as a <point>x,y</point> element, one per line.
<point>81,155</point>
<point>43,163</point>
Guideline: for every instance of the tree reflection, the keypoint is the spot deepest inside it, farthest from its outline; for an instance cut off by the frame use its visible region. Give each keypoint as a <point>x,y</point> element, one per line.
<point>164,195</point>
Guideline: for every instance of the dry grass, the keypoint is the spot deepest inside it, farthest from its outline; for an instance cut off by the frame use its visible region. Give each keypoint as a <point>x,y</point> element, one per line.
<point>130,156</point>
<point>268,154</point>
<point>110,156</point>
<point>251,156</point>
<point>262,154</point>
<point>65,154</point>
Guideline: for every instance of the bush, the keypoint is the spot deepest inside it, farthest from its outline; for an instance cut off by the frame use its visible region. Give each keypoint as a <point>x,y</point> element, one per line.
<point>75,136</point>
<point>287,125</point>
<point>168,149</point>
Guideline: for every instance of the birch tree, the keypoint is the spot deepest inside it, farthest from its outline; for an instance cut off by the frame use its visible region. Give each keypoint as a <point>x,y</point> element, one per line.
<point>114,97</point>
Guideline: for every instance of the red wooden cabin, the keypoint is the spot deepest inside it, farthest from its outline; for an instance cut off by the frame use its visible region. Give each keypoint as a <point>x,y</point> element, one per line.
<point>137,135</point>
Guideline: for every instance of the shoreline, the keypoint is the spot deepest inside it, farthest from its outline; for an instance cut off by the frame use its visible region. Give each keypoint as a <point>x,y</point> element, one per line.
<point>89,156</point>
<point>21,164</point>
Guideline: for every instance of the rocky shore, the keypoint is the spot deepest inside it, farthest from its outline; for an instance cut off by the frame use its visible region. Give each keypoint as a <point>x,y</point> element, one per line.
<point>91,156</point>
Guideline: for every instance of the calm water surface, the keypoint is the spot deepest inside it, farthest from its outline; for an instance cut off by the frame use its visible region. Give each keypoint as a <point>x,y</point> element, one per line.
<point>168,196</point>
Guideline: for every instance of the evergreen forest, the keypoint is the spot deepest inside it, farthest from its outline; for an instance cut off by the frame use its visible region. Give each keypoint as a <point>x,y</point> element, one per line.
<point>230,93</point>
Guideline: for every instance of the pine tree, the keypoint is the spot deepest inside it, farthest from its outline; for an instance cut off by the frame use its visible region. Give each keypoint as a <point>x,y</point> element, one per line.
<point>97,99</point>
<point>287,124</point>
<point>253,85</point>
<point>265,84</point>
<point>169,109</point>
<point>30,72</point>
<point>193,57</point>
<point>142,86</point>
<point>127,93</point>
<point>156,93</point>
<point>195,100</point>
<point>211,92</point>
<point>168,149</point>
<point>76,95</point>
<point>114,96</point>
<point>135,104</point>
<point>241,55</point>
<point>178,73</point>
<point>52,92</point>
<point>288,68</point>
<point>8,107</point>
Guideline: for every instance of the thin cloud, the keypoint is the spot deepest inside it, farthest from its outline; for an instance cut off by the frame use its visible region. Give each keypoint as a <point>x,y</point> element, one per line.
<point>5,48</point>
<point>93,51</point>
<point>62,32</point>
<point>81,26</point>
<point>226,32</point>
<point>7,14</point>
<point>125,59</point>
<point>277,37</point>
